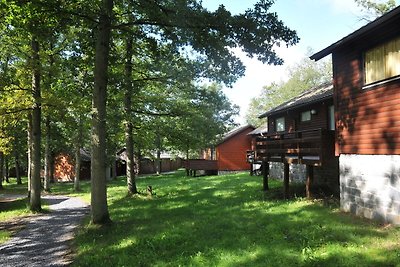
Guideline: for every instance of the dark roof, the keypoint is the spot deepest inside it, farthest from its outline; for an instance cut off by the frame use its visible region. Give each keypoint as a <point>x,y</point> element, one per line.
<point>85,155</point>
<point>260,130</point>
<point>310,96</point>
<point>387,18</point>
<point>234,132</point>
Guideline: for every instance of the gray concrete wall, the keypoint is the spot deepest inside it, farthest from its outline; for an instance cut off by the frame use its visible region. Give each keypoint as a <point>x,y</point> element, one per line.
<point>370,186</point>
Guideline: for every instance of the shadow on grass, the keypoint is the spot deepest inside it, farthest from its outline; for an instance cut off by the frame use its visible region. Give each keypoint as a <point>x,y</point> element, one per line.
<point>227,220</point>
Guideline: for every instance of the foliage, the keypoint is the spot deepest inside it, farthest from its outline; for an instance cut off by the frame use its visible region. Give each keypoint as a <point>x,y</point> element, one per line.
<point>304,75</point>
<point>375,8</point>
<point>249,228</point>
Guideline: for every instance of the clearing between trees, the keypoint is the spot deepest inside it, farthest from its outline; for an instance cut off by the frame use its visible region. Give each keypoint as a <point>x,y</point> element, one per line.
<point>227,221</point>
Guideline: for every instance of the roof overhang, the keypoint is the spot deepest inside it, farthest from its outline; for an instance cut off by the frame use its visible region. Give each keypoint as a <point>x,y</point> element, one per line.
<point>379,22</point>
<point>273,112</point>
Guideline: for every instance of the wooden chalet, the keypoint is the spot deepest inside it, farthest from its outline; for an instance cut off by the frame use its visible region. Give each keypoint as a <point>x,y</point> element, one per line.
<point>228,155</point>
<point>366,74</point>
<point>299,131</point>
<point>64,166</point>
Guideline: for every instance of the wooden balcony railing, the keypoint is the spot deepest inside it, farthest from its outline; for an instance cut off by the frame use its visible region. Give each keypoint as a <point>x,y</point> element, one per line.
<point>310,147</point>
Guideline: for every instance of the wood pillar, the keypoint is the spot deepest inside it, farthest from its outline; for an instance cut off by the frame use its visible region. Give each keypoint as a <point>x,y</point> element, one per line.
<point>265,173</point>
<point>286,180</point>
<point>310,179</point>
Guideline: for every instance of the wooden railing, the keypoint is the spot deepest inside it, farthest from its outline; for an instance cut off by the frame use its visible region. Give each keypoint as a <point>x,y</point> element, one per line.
<point>201,164</point>
<point>311,147</point>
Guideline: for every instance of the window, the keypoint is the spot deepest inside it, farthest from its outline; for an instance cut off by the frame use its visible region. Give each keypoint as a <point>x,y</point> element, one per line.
<point>382,62</point>
<point>280,124</point>
<point>305,116</point>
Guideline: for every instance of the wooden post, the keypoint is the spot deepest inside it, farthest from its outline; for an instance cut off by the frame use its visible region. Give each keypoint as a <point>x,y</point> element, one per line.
<point>265,172</point>
<point>310,179</point>
<point>286,180</point>
<point>149,190</point>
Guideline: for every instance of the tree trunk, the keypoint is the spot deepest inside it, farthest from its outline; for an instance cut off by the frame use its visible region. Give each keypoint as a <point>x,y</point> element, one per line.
<point>1,169</point>
<point>29,153</point>
<point>52,167</point>
<point>99,206</point>
<point>35,204</point>
<point>17,167</point>
<point>77,178</point>
<point>77,186</point>
<point>187,162</point>
<point>6,170</point>
<point>47,157</point>
<point>158,159</point>
<point>130,157</point>
<point>114,170</point>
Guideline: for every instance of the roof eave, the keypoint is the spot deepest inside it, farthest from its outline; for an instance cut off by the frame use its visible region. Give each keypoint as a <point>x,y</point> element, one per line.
<point>356,34</point>
<point>266,114</point>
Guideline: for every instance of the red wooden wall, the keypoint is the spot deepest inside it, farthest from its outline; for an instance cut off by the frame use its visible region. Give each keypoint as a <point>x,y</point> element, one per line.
<point>367,119</point>
<point>231,154</point>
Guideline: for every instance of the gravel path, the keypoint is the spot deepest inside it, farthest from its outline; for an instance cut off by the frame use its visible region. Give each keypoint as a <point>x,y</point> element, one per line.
<point>45,241</point>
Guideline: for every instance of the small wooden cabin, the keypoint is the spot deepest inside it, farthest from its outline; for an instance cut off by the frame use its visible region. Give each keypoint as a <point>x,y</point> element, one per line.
<point>300,131</point>
<point>366,70</point>
<point>228,155</point>
<point>64,166</point>
<point>231,150</point>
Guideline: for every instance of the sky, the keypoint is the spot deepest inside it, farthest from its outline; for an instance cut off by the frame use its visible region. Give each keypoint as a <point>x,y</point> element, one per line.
<point>318,23</point>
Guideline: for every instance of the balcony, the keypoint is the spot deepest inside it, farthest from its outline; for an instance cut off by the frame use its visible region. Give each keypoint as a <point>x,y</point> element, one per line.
<point>310,147</point>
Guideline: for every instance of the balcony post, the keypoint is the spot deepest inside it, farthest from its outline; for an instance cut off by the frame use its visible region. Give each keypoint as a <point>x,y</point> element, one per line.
<point>265,173</point>
<point>310,179</point>
<point>286,180</point>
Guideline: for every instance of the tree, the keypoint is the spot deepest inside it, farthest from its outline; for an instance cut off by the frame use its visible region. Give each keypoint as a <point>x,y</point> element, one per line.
<point>373,9</point>
<point>304,75</point>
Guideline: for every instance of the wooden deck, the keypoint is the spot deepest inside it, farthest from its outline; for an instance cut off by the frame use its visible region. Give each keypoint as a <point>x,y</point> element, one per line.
<point>194,165</point>
<point>310,147</point>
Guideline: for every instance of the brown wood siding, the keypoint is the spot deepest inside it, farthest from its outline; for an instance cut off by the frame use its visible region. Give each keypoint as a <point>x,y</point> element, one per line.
<point>232,153</point>
<point>294,123</point>
<point>367,120</point>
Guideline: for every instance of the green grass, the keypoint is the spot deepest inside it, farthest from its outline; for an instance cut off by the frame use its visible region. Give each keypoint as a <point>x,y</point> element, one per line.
<point>224,221</point>
<point>228,221</point>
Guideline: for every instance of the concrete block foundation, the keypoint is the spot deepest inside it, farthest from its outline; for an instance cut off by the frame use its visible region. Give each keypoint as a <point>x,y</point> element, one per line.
<point>370,186</point>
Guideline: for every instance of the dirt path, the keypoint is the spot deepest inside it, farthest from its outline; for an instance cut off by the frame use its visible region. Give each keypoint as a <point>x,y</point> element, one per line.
<point>45,241</point>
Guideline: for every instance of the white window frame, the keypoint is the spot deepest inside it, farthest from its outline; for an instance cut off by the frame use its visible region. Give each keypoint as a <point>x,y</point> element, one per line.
<point>305,116</point>
<point>280,124</point>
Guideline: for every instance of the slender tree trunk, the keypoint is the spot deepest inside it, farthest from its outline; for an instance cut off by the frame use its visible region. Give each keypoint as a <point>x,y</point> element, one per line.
<point>29,153</point>
<point>1,169</point>
<point>158,159</point>
<point>47,157</point>
<point>52,167</point>
<point>6,166</point>
<point>114,170</point>
<point>130,157</point>
<point>77,178</point>
<point>99,206</point>
<point>17,167</point>
<point>77,186</point>
<point>35,204</point>
<point>187,162</point>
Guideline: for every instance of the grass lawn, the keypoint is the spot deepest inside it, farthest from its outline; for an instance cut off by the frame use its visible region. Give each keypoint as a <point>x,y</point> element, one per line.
<point>228,221</point>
